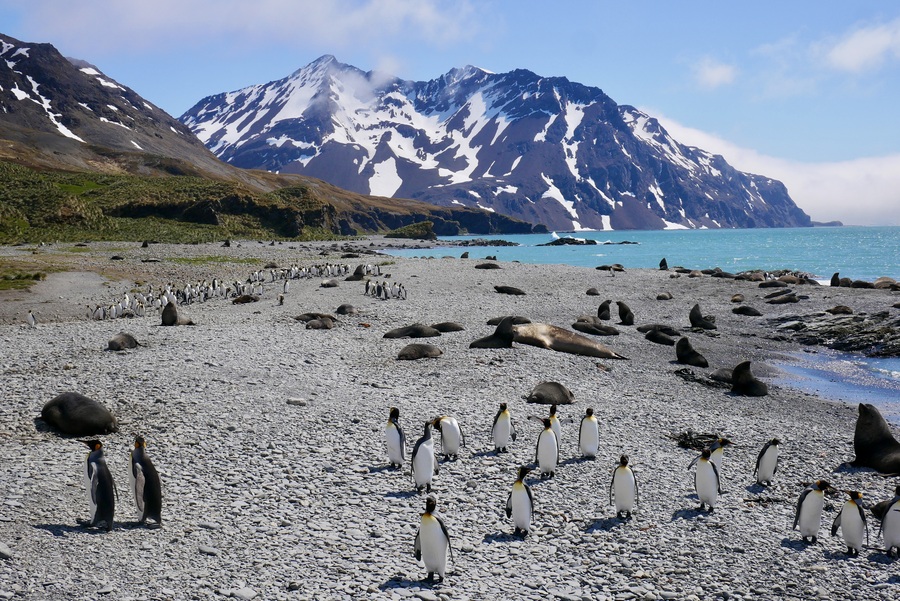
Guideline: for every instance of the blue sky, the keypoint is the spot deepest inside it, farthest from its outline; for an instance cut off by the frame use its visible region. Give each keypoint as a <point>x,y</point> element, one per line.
<point>803,91</point>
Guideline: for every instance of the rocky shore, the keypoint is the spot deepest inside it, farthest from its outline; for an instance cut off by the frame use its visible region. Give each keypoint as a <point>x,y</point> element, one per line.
<point>269,437</point>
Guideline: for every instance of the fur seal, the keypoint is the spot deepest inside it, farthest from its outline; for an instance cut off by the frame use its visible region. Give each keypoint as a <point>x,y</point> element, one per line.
<point>665,329</point>
<point>244,299</point>
<point>663,265</point>
<point>698,320</point>
<point>626,316</point>
<point>737,298</point>
<point>836,279</point>
<point>501,338</point>
<point>552,337</point>
<point>603,309</point>
<point>448,326</point>
<point>664,296</point>
<point>346,309</point>
<point>509,290</point>
<point>746,310</point>
<point>358,274</point>
<point>840,310</point>
<point>593,325</point>
<point>77,415</point>
<point>122,341</point>
<point>873,442</point>
<point>170,317</point>
<point>416,330</point>
<point>517,319</point>
<point>320,323</point>
<point>744,383</point>
<point>487,266</point>
<point>659,337</point>
<point>686,354</point>
<point>550,393</point>
<point>416,350</point>
<point>773,284</point>
<point>592,292</point>
<point>784,299</point>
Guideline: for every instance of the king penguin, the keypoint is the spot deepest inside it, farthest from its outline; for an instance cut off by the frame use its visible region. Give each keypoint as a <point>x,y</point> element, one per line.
<point>432,542</point>
<point>546,452</point>
<point>767,462</point>
<point>718,452</point>
<point>625,488</point>
<point>396,440</point>
<point>452,437</point>
<point>520,504</point>
<point>503,431</point>
<point>890,525</point>
<point>555,424</point>
<point>100,486</point>
<point>589,435</point>
<point>145,483</point>
<point>852,521</point>
<point>706,481</point>
<point>809,510</point>
<point>30,320</point>
<point>424,463</point>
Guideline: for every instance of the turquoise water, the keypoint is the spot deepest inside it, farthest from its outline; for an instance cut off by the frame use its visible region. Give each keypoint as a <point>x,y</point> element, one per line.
<point>864,253</point>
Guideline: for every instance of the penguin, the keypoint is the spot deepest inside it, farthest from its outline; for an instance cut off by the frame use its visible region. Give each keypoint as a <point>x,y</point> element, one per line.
<point>589,435</point>
<point>520,504</point>
<point>706,481</point>
<point>396,440</point>
<point>625,487</point>
<point>100,487</point>
<point>424,463</point>
<point>452,437</point>
<point>767,462</point>
<point>30,320</point>
<point>717,450</point>
<point>145,483</point>
<point>546,452</point>
<point>890,525</point>
<point>503,431</point>
<point>432,542</point>
<point>554,422</point>
<point>809,510</point>
<point>852,521</point>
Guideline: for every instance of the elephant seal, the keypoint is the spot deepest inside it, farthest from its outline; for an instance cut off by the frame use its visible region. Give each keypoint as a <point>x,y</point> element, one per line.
<point>659,337</point>
<point>698,320</point>
<point>686,354</point>
<point>550,393</point>
<point>517,319</point>
<point>122,341</point>
<point>603,309</point>
<point>744,383</point>
<point>170,317</point>
<point>665,329</point>
<point>77,415</point>
<point>320,323</point>
<point>873,442</point>
<point>509,290</point>
<point>416,330</point>
<point>417,350</point>
<point>626,316</point>
<point>746,310</point>
<point>552,337</point>
<point>593,325</point>
<point>448,326</point>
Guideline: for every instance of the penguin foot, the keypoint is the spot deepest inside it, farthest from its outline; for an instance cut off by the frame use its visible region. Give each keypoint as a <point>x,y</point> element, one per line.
<point>852,552</point>
<point>702,506</point>
<point>428,488</point>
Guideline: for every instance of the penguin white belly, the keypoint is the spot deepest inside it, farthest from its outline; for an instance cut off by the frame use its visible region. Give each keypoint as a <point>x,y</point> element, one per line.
<point>521,507</point>
<point>716,458</point>
<point>434,546</point>
<point>423,464</point>
<point>767,465</point>
<point>502,432</point>
<point>891,527</point>
<point>811,514</point>
<point>590,438</point>
<point>707,484</point>
<point>89,487</point>
<point>852,526</point>
<point>557,428</point>
<point>451,437</point>
<point>624,489</point>
<point>394,444</point>
<point>547,452</point>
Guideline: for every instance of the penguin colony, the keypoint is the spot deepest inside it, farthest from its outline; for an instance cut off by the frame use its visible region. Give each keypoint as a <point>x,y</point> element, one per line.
<point>432,542</point>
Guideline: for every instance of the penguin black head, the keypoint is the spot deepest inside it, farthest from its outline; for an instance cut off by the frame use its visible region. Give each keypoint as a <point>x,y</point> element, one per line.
<point>623,461</point>
<point>822,485</point>
<point>589,411</point>
<point>395,413</point>
<point>775,442</point>
<point>706,454</point>
<point>436,422</point>
<point>502,407</point>
<point>94,445</point>
<point>427,428</point>
<point>523,471</point>
<point>552,410</point>
<point>139,442</point>
<point>430,504</point>
<point>546,423</point>
<point>720,443</point>
<point>854,494</point>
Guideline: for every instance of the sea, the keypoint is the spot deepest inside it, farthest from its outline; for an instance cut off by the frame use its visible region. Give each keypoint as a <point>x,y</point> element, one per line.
<point>859,253</point>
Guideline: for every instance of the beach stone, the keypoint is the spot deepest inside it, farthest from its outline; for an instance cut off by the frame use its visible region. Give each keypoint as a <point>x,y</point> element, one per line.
<point>5,552</point>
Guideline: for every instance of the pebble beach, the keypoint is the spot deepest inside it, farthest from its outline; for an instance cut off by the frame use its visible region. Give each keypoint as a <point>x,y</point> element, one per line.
<point>269,437</point>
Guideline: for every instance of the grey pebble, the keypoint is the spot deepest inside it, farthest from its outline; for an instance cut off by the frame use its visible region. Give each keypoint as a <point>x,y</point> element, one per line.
<point>208,550</point>
<point>5,552</point>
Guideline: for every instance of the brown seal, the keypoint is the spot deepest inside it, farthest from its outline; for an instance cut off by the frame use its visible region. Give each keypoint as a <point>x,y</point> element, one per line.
<point>416,330</point>
<point>509,290</point>
<point>698,320</point>
<point>626,315</point>
<point>744,383</point>
<point>552,337</point>
<point>77,415</point>
<point>686,354</point>
<point>417,350</point>
<point>873,442</point>
<point>122,341</point>
<point>550,393</point>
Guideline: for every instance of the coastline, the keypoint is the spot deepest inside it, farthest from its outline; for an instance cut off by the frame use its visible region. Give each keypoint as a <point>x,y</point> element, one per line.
<point>260,492</point>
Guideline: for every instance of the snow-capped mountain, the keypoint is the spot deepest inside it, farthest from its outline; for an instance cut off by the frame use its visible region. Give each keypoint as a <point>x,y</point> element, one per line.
<point>542,149</point>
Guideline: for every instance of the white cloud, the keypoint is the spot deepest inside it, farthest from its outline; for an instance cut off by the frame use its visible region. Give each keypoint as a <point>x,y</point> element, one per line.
<point>865,48</point>
<point>711,74</point>
<point>864,191</point>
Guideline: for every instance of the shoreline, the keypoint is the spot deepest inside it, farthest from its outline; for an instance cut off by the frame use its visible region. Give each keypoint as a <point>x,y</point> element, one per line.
<point>269,439</point>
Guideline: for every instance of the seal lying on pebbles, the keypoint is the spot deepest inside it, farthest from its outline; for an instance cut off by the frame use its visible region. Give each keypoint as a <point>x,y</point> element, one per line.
<point>592,292</point>
<point>487,266</point>
<point>122,341</point>
<point>746,310</point>
<point>698,320</point>
<point>664,296</point>
<point>686,354</point>
<point>170,317</point>
<point>744,383</point>
<point>873,442</point>
<point>543,335</point>
<point>311,316</point>
<point>331,283</point>
<point>550,393</point>
<point>417,350</point>
<point>77,415</point>
<point>509,290</point>
<point>659,337</point>
<point>665,329</point>
<point>517,319</point>
<point>321,323</point>
<point>244,299</point>
<point>448,326</point>
<point>592,325</point>
<point>346,309</point>
<point>502,336</point>
<point>416,330</point>
<point>783,299</point>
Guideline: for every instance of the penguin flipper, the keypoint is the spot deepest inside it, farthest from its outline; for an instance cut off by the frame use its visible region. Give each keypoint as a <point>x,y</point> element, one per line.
<point>611,484</point>
<point>693,462</point>
<point>718,479</point>
<point>530,496</point>
<point>512,430</point>
<point>417,546</point>
<point>836,523</point>
<point>862,516</point>
<point>799,505</point>
<point>402,442</point>
<point>637,496</point>
<point>509,505</point>
<point>139,482</point>
<point>446,534</point>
